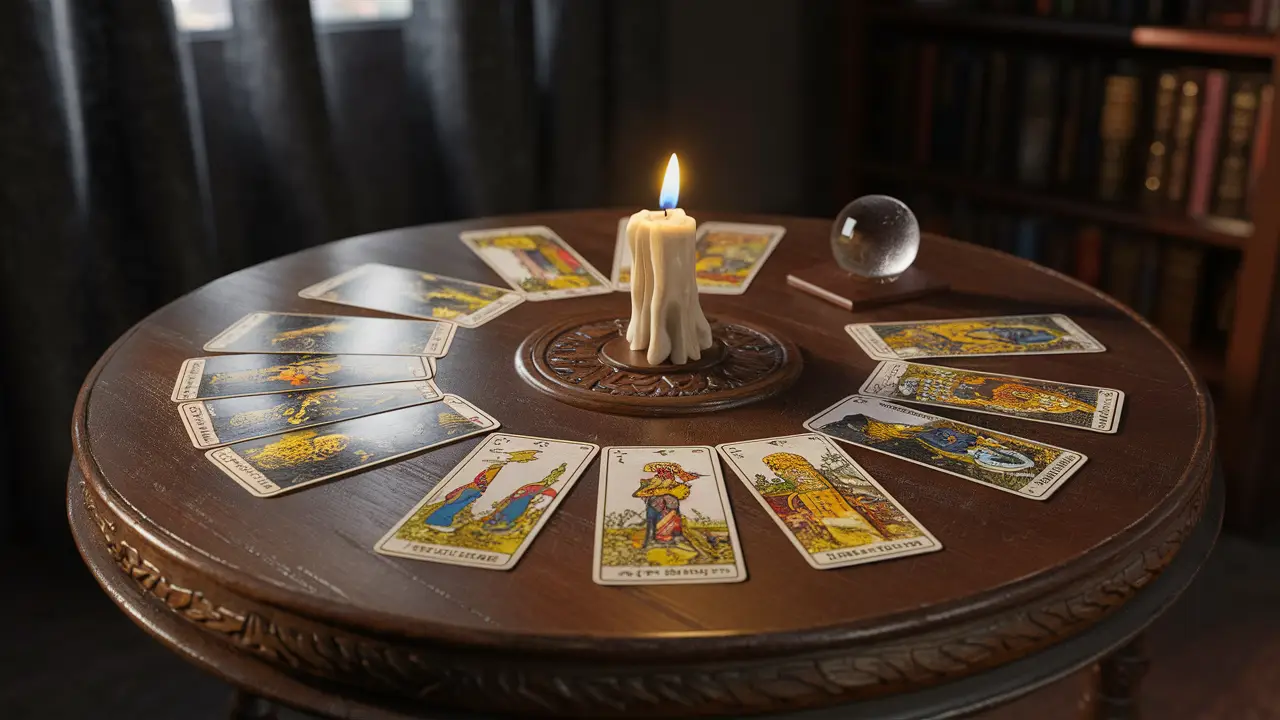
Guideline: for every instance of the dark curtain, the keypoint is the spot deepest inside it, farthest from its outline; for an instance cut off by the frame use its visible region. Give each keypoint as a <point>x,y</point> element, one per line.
<point>137,163</point>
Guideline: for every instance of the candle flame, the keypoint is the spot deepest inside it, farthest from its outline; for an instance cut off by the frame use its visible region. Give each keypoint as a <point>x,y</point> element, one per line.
<point>670,195</point>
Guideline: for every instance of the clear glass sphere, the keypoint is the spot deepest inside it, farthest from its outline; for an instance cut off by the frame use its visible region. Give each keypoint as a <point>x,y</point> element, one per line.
<point>875,237</point>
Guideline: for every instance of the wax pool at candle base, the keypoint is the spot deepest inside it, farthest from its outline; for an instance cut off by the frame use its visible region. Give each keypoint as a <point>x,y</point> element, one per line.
<point>666,316</point>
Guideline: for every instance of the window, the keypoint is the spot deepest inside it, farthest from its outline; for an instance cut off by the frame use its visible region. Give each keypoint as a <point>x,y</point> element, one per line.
<point>206,15</point>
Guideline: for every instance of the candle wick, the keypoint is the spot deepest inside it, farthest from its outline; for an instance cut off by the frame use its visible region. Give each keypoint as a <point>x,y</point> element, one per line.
<point>665,212</point>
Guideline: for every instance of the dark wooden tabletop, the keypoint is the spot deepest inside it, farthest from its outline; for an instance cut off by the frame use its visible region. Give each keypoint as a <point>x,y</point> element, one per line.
<point>297,581</point>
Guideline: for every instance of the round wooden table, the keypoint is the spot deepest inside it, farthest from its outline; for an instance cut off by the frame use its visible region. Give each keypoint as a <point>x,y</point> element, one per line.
<point>285,598</point>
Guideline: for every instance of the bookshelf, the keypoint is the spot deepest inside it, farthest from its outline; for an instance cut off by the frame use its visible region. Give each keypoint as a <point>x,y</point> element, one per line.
<point>1231,359</point>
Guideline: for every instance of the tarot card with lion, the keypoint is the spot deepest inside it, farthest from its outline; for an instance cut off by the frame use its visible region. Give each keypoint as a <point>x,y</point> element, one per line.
<point>834,513</point>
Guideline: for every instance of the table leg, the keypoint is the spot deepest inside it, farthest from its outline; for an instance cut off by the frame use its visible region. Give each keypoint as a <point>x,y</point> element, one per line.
<point>246,706</point>
<point>1120,674</point>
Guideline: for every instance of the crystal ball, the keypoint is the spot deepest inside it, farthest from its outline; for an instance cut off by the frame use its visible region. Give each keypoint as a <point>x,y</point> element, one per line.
<point>875,237</point>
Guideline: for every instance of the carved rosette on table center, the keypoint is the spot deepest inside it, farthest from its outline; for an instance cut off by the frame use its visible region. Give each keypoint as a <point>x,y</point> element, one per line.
<point>587,362</point>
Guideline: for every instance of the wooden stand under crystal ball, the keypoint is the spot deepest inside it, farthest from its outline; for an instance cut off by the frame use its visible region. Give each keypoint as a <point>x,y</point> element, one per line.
<point>285,597</point>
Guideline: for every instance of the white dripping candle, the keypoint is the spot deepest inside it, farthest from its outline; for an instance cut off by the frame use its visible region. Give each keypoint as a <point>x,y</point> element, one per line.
<point>666,318</point>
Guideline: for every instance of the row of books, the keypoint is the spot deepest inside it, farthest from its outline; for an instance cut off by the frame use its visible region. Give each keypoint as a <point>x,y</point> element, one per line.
<point>1256,15</point>
<point>1187,141</point>
<point>1186,289</point>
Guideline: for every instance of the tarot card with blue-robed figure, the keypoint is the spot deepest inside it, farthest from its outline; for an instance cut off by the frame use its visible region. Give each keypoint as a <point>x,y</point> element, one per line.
<point>1005,462</point>
<point>663,516</point>
<point>486,512</point>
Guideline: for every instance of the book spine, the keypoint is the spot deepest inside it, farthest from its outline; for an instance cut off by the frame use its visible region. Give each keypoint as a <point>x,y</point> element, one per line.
<point>1184,129</point>
<point>1179,291</point>
<point>1261,141</point>
<point>994,137</point>
<point>1038,113</point>
<point>1227,13</point>
<point>1123,264</point>
<point>1206,147</point>
<point>1027,240</point>
<point>1119,119</point>
<point>1258,14</point>
<point>1148,282</point>
<point>1272,22</point>
<point>1153,191</point>
<point>1233,167</point>
<point>1088,142</point>
<point>1069,128</point>
<point>924,106</point>
<point>945,108</point>
<point>971,132</point>
<point>1089,255</point>
<point>1193,13</point>
<point>1123,12</point>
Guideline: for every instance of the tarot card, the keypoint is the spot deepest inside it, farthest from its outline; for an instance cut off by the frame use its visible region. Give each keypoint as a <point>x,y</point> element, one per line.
<point>729,255</point>
<point>239,375</point>
<point>487,510</point>
<point>1078,406</point>
<point>827,505</point>
<point>1005,462</point>
<point>416,294</point>
<point>962,337</point>
<point>280,463</point>
<point>537,262</point>
<point>274,332</point>
<point>663,516</point>
<point>223,421</point>
<point>621,275</point>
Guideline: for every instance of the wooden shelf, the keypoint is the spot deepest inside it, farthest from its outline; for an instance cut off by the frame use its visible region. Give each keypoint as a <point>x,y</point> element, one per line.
<point>1030,201</point>
<point>1180,39</point>
<point>1205,41</point>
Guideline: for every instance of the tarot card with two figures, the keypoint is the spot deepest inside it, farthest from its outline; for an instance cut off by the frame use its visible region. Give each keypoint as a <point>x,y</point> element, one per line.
<point>486,512</point>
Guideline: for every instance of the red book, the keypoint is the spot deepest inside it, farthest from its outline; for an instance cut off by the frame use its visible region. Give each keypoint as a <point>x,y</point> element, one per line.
<point>1261,134</point>
<point>1089,255</point>
<point>1206,149</point>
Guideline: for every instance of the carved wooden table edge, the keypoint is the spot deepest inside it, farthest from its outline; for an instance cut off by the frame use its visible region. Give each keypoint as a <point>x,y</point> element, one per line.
<point>254,646</point>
